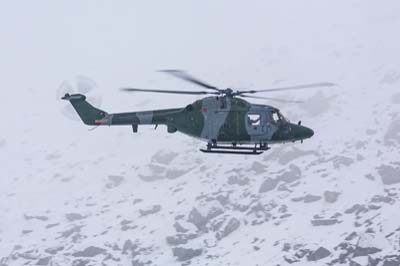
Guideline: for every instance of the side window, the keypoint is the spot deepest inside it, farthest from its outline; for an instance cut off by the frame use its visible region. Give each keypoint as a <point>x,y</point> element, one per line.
<point>253,119</point>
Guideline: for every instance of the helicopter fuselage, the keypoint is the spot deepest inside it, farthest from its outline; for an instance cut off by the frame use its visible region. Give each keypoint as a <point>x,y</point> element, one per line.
<point>215,119</point>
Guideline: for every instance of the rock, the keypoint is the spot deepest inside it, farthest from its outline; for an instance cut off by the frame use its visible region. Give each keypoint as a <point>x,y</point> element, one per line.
<point>307,199</point>
<point>43,261</point>
<point>80,262</point>
<point>331,196</point>
<point>197,219</point>
<point>236,180</point>
<point>180,228</point>
<point>318,254</point>
<point>69,232</point>
<point>292,154</point>
<point>364,251</point>
<point>154,209</point>
<point>115,180</point>
<point>268,185</point>
<point>211,210</point>
<point>164,157</point>
<point>74,216</point>
<point>180,239</point>
<point>184,254</point>
<point>89,252</point>
<point>382,199</point>
<point>40,218</point>
<point>54,250</point>
<point>138,263</point>
<point>324,222</point>
<point>357,209</point>
<point>392,136</point>
<point>393,260</point>
<point>258,168</point>
<point>130,248</point>
<point>389,174</point>
<point>290,176</point>
<point>231,226</point>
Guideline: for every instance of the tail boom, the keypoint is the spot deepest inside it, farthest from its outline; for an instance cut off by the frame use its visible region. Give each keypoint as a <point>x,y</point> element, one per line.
<point>93,116</point>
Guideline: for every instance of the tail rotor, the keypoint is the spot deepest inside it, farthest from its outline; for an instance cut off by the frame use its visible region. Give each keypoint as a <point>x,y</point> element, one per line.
<point>82,85</point>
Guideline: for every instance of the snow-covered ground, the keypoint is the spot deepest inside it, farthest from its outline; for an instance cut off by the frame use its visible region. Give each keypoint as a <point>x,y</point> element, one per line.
<point>69,196</point>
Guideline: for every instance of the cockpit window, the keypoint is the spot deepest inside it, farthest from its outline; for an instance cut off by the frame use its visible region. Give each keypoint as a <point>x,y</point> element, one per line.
<point>277,117</point>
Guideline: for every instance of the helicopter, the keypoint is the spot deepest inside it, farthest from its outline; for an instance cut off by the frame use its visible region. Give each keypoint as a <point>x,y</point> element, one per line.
<point>223,119</point>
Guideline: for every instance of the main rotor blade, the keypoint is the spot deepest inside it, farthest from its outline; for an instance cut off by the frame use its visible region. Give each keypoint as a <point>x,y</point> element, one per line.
<point>167,91</point>
<point>297,87</point>
<point>185,76</point>
<point>271,99</point>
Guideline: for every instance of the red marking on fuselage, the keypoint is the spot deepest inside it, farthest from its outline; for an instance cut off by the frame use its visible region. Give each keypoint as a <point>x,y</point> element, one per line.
<point>101,121</point>
<point>204,110</point>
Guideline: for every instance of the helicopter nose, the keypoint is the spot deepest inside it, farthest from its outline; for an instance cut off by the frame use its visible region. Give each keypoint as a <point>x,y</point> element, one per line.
<point>308,132</point>
<point>302,132</point>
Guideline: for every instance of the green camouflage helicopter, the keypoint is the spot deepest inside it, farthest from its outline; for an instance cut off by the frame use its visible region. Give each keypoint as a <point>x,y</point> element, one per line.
<point>228,123</point>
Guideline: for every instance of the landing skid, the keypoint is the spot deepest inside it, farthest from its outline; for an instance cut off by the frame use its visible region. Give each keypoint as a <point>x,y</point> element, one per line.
<point>235,150</point>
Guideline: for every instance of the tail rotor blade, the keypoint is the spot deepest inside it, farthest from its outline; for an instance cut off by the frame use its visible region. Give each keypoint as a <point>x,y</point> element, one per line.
<point>84,84</point>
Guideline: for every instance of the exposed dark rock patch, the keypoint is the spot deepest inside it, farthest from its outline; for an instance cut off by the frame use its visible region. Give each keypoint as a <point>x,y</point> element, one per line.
<point>179,228</point>
<point>365,251</point>
<point>331,196</point>
<point>154,209</point>
<point>89,252</point>
<point>258,168</point>
<point>356,209</point>
<point>40,218</point>
<point>237,180</point>
<point>54,250</point>
<point>200,221</point>
<point>307,199</point>
<point>318,254</point>
<point>69,232</point>
<point>164,157</point>
<point>392,135</point>
<point>52,225</point>
<point>184,254</point>
<point>289,155</point>
<point>130,248</point>
<point>231,226</point>
<point>290,176</point>
<point>389,174</point>
<point>179,239</point>
<point>74,217</point>
<point>268,185</point>
<point>324,222</point>
<point>80,262</point>
<point>339,161</point>
<point>43,261</point>
<point>115,180</point>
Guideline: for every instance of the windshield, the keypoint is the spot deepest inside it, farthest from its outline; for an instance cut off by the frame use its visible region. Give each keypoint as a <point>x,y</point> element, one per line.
<point>277,117</point>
